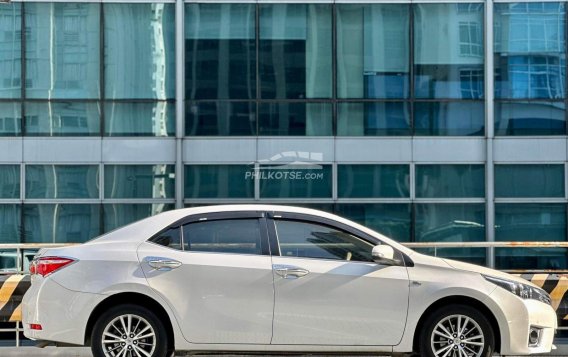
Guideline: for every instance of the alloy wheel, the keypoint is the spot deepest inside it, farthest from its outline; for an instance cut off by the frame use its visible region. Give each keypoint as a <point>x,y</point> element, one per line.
<point>457,336</point>
<point>128,335</point>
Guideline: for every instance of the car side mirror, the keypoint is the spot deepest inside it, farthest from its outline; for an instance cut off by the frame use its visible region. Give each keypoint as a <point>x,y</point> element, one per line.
<point>384,254</point>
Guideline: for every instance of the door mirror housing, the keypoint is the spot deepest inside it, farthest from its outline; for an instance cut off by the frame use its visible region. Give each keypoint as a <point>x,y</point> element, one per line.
<point>384,254</point>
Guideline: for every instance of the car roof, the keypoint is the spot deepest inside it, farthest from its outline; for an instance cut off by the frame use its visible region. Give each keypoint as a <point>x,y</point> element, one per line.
<point>145,228</point>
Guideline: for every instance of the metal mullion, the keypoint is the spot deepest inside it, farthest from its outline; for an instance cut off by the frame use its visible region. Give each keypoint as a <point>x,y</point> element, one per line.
<point>257,67</point>
<point>102,71</point>
<point>528,200</point>
<point>377,200</point>
<point>334,74</point>
<point>23,70</point>
<point>139,201</point>
<point>411,98</point>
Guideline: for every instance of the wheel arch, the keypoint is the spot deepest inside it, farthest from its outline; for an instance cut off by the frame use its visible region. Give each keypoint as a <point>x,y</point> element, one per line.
<point>459,300</point>
<point>131,298</point>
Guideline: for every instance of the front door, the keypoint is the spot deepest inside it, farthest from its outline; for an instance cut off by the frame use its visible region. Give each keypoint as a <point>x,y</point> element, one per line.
<point>330,292</point>
<point>217,277</point>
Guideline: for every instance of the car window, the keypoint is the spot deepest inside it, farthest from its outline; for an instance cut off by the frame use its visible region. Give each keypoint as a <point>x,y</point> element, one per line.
<point>169,238</point>
<point>238,236</point>
<point>312,240</point>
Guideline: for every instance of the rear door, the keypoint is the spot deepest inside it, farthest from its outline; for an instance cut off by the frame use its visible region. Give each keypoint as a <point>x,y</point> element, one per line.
<point>216,276</point>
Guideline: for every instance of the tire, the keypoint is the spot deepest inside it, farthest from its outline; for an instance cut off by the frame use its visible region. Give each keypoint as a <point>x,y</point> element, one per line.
<point>433,344</point>
<point>143,323</point>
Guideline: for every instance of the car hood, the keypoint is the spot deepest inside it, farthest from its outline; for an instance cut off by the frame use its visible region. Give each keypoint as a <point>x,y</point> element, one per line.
<point>485,271</point>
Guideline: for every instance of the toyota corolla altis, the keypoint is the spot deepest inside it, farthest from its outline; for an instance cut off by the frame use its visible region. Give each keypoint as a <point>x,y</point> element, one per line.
<point>275,279</point>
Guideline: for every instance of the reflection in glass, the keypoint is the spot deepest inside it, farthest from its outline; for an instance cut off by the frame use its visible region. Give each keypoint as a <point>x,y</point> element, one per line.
<point>62,50</point>
<point>9,181</point>
<point>381,119</point>
<point>139,119</point>
<point>448,51</point>
<point>389,219</point>
<point>295,55</point>
<point>220,51</point>
<point>449,118</point>
<point>530,222</point>
<point>452,222</point>
<point>139,181</point>
<point>139,51</point>
<point>219,181</point>
<point>62,118</point>
<point>220,118</point>
<point>373,51</point>
<point>529,180</point>
<point>118,215</point>
<point>10,118</point>
<point>361,181</point>
<point>10,50</point>
<point>295,181</point>
<point>60,223</point>
<point>445,181</point>
<point>530,50</point>
<point>530,118</point>
<point>10,223</point>
<point>302,119</point>
<point>62,181</point>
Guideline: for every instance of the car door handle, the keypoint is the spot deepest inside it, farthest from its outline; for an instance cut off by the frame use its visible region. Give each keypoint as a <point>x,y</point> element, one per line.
<point>162,264</point>
<point>290,271</point>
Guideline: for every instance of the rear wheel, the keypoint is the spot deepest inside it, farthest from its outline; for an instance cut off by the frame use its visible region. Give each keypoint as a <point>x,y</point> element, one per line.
<point>457,331</point>
<point>129,331</point>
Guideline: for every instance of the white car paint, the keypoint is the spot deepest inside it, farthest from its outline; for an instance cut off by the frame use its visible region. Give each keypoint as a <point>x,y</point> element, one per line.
<point>235,302</point>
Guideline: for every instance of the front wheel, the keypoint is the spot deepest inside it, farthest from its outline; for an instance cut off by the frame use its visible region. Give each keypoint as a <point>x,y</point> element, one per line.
<point>129,331</point>
<point>457,331</point>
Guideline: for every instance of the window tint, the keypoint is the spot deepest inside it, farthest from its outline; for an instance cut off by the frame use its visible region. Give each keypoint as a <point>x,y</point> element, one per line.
<point>238,236</point>
<point>309,240</point>
<point>169,238</point>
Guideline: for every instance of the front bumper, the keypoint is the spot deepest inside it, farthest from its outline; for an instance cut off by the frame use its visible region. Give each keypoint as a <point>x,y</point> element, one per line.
<point>516,319</point>
<point>62,313</point>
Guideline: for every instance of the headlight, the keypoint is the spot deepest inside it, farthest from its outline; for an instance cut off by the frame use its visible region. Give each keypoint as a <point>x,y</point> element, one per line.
<point>521,290</point>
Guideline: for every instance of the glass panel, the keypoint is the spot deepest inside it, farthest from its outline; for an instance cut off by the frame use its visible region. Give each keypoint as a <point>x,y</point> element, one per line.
<point>448,51</point>
<point>10,117</point>
<point>11,50</point>
<point>118,215</point>
<point>443,222</point>
<point>10,223</point>
<point>9,181</point>
<point>373,51</point>
<point>449,118</point>
<point>295,57</point>
<point>62,118</point>
<point>62,181</point>
<point>240,236</point>
<point>220,118</point>
<point>529,181</point>
<point>530,222</point>
<point>310,240</point>
<point>139,51</point>
<point>139,181</point>
<point>140,119</point>
<point>530,50</point>
<point>62,50</point>
<point>441,181</point>
<point>295,181</point>
<point>61,223</point>
<point>530,118</point>
<point>220,51</point>
<point>354,181</point>
<point>361,119</point>
<point>170,239</point>
<point>218,181</point>
<point>389,219</point>
<point>302,119</point>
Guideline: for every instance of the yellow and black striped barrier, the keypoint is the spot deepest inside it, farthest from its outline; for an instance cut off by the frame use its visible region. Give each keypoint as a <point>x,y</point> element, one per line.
<point>12,290</point>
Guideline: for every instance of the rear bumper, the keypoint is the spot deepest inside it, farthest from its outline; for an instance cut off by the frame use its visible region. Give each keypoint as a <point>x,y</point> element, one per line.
<point>62,313</point>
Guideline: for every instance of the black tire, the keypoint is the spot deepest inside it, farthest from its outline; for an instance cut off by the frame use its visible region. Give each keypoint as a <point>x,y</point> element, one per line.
<point>160,342</point>
<point>448,314</point>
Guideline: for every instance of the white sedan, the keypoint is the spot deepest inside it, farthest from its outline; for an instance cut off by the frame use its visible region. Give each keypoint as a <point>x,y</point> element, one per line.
<point>275,279</point>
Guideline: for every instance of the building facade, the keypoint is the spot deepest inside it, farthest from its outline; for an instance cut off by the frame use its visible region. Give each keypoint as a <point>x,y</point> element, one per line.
<point>427,121</point>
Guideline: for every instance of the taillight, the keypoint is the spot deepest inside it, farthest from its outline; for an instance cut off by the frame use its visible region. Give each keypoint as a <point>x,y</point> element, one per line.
<point>47,265</point>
